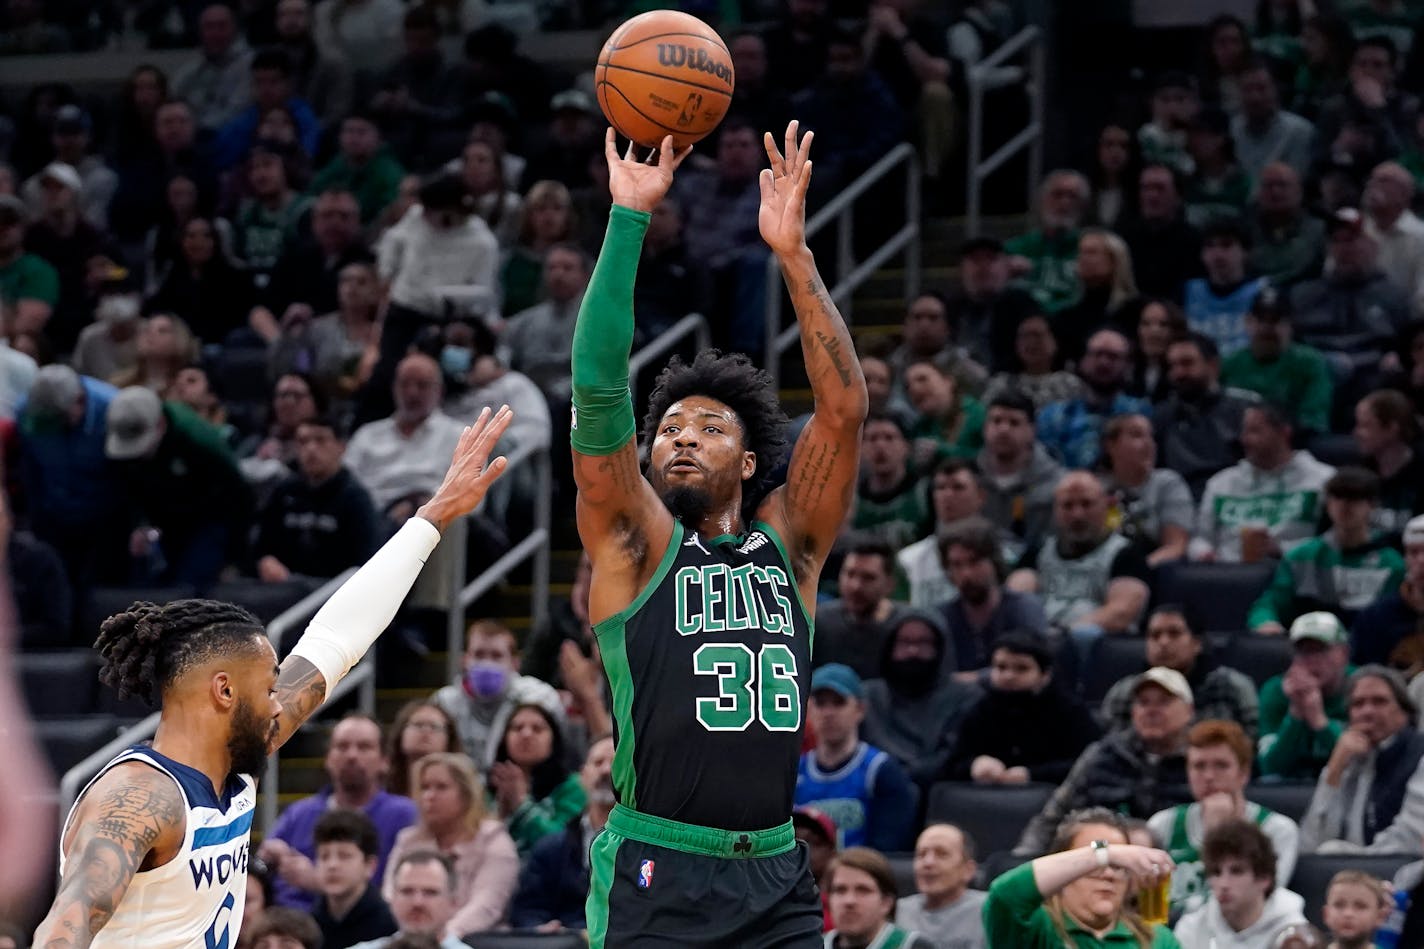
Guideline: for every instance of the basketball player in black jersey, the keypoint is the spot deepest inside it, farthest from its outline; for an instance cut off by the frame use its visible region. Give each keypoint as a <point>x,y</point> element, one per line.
<point>704,585</point>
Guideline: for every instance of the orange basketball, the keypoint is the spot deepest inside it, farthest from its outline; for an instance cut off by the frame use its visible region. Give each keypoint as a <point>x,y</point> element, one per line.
<point>664,73</point>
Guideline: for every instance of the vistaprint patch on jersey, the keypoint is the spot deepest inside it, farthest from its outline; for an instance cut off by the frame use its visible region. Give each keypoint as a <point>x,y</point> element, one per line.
<point>645,874</point>
<point>756,541</point>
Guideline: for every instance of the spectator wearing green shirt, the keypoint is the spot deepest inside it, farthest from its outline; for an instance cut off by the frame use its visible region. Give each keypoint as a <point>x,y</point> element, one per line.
<point>1046,258</point>
<point>891,500</point>
<point>534,791</point>
<point>1342,570</point>
<point>1077,895</point>
<point>364,165</point>
<point>1303,710</point>
<point>947,423</point>
<point>1282,372</point>
<point>191,508</point>
<point>1287,242</point>
<point>29,287</point>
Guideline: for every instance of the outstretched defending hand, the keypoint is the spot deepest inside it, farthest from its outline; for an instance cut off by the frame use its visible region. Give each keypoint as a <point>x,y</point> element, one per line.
<point>782,217</point>
<point>469,478</point>
<point>636,184</point>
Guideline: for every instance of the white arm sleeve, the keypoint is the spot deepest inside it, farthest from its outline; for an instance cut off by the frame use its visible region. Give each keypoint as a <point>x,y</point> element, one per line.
<point>346,626</point>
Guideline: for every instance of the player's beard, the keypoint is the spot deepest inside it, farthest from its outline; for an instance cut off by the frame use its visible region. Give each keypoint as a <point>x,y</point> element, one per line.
<point>688,504</point>
<point>247,745</point>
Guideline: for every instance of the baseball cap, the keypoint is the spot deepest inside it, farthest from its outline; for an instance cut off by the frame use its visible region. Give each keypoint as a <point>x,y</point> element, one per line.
<point>1172,681</point>
<point>575,99</point>
<point>53,393</point>
<point>973,245</point>
<point>816,819</point>
<point>838,678</point>
<point>133,422</point>
<point>63,173</point>
<point>1320,626</point>
<point>70,119</point>
<point>1345,220</point>
<point>1414,531</point>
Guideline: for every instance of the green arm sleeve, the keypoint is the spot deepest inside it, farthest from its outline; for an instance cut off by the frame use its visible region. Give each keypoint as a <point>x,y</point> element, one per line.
<point>603,336</point>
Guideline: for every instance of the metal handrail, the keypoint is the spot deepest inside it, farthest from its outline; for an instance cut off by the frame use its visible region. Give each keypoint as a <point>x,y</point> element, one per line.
<point>849,275</point>
<point>1030,137</point>
<point>535,546</point>
<point>693,324</point>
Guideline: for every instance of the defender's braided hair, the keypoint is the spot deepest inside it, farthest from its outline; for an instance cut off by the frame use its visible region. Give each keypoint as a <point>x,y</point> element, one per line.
<point>733,380</point>
<point>146,647</point>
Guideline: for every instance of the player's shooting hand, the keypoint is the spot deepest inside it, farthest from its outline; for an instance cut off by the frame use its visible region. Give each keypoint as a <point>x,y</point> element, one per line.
<point>636,184</point>
<point>782,218</point>
<point>469,476</point>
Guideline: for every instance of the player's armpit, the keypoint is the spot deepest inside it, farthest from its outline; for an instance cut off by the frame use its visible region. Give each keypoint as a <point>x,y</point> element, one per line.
<point>622,522</point>
<point>130,817</point>
<point>301,688</point>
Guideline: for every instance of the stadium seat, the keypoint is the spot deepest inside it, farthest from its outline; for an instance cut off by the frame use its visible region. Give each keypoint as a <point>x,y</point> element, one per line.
<point>903,866</point>
<point>1114,658</point>
<point>267,601</point>
<point>1313,872</point>
<point>59,683</point>
<point>993,814</point>
<point>1290,798</point>
<point>1220,594</point>
<point>1260,657</point>
<point>106,601</point>
<point>68,741</point>
<point>995,866</point>
<point>518,940</point>
<point>1334,448</point>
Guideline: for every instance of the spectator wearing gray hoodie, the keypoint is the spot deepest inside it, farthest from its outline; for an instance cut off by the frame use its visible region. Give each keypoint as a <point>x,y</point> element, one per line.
<point>1018,473</point>
<point>912,711</point>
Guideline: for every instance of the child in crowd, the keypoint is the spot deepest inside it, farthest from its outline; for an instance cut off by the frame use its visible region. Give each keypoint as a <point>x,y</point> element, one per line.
<point>1355,905</point>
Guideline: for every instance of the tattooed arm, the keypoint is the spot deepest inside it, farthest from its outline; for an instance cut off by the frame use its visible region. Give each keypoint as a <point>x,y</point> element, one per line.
<point>820,482</point>
<point>131,819</point>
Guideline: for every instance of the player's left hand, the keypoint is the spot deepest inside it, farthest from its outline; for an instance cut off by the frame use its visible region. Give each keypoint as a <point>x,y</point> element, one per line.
<point>782,218</point>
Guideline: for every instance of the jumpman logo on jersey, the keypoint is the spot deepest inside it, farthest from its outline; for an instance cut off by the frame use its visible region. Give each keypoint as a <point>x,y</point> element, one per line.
<point>695,541</point>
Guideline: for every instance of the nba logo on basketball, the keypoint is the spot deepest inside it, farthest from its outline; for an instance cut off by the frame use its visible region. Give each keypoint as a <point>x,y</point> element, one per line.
<point>645,874</point>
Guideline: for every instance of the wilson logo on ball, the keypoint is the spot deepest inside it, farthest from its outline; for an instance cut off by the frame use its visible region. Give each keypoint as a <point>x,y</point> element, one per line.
<point>678,56</point>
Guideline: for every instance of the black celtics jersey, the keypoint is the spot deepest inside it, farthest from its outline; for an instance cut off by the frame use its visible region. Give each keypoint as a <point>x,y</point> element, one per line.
<point>709,669</point>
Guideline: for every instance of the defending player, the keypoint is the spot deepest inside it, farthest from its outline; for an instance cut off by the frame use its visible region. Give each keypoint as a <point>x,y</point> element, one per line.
<point>155,852</point>
<point>703,586</point>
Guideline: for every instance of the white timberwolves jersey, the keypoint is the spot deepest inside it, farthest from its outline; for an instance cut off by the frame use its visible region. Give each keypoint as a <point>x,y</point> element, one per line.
<point>193,901</point>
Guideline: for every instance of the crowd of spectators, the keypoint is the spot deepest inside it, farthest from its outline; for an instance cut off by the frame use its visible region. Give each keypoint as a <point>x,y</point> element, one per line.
<point>248,306</point>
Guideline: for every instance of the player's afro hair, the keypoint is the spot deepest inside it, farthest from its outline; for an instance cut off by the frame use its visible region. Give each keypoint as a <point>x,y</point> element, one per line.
<point>731,379</point>
<point>146,647</point>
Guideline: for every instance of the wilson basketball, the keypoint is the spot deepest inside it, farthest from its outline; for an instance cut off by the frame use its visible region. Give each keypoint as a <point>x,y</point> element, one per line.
<point>664,73</point>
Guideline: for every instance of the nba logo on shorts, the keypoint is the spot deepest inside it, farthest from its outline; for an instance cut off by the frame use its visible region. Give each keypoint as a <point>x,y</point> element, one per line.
<point>645,874</point>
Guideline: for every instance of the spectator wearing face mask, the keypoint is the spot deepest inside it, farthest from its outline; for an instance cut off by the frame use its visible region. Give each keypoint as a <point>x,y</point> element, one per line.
<point>913,710</point>
<point>482,700</point>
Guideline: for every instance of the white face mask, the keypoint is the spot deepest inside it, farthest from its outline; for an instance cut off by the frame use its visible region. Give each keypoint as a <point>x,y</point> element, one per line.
<point>117,309</point>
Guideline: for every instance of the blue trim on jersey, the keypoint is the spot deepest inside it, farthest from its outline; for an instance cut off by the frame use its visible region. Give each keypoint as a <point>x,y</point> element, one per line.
<point>195,784</point>
<point>215,836</point>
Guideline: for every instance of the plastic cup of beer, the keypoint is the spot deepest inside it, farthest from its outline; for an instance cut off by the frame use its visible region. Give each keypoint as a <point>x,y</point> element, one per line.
<point>1154,901</point>
<point>1255,543</point>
